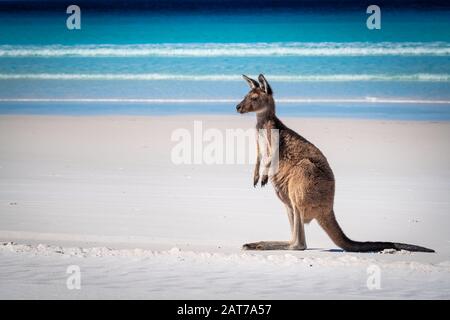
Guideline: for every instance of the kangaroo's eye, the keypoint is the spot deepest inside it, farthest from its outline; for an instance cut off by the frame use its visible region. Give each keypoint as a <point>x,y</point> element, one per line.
<point>254,96</point>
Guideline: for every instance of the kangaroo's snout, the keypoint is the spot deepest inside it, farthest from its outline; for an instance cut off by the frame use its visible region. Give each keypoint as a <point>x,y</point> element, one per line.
<point>239,108</point>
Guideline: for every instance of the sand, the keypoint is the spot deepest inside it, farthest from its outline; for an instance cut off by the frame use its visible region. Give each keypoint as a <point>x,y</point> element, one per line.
<point>103,193</point>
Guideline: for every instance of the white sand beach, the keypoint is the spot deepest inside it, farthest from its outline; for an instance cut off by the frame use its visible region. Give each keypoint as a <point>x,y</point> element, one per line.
<point>102,193</point>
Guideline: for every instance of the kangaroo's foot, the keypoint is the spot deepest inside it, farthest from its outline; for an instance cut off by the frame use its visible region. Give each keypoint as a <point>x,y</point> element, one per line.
<point>273,245</point>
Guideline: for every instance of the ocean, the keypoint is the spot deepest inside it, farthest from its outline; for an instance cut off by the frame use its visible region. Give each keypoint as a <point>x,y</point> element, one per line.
<point>320,63</point>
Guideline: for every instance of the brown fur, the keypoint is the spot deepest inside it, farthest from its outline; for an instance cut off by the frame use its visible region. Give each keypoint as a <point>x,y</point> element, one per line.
<point>304,181</point>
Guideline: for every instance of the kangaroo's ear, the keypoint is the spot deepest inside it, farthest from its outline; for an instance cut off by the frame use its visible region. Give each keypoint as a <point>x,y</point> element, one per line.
<point>252,83</point>
<point>264,84</point>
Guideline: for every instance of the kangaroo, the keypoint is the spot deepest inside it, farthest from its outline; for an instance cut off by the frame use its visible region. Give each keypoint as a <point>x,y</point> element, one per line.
<point>304,181</point>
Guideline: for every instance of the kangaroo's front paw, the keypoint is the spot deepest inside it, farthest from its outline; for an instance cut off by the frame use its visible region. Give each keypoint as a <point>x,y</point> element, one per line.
<point>255,180</point>
<point>264,180</point>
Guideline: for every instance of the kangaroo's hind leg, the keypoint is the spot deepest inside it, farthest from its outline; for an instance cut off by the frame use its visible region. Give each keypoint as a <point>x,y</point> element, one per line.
<point>298,241</point>
<point>289,210</point>
<point>280,245</point>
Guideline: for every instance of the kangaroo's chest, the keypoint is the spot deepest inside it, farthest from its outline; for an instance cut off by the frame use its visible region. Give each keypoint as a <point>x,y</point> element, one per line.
<point>268,143</point>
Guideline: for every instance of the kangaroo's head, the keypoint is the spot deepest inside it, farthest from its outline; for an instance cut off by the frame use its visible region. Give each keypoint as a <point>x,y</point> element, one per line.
<point>259,99</point>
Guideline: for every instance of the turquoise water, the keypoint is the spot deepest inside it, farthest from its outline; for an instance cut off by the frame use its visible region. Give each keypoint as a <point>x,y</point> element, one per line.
<point>319,63</point>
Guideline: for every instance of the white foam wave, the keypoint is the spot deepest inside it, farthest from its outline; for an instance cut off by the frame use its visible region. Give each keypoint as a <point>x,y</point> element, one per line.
<point>233,49</point>
<point>372,100</point>
<point>217,77</point>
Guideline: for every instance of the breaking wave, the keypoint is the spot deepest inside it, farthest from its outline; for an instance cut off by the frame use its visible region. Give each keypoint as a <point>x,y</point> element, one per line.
<point>233,49</point>
<point>217,77</point>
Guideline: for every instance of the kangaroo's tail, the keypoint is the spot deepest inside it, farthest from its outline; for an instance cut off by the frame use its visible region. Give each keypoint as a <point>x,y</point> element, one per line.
<point>334,231</point>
